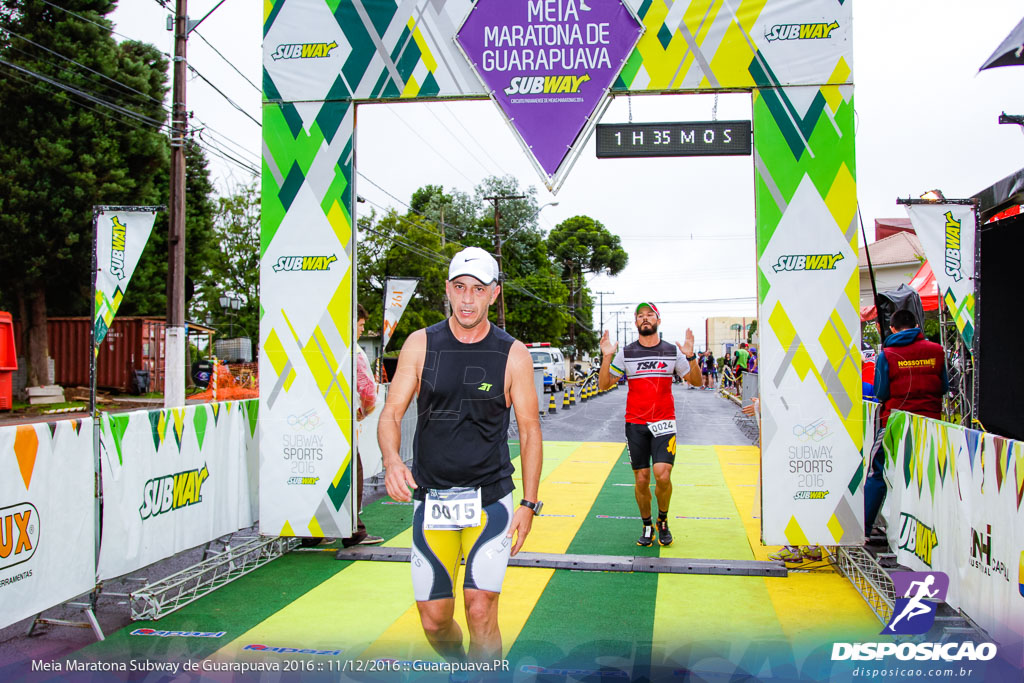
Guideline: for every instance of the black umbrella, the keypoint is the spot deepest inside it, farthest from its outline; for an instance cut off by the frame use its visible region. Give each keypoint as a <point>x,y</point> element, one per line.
<point>1010,52</point>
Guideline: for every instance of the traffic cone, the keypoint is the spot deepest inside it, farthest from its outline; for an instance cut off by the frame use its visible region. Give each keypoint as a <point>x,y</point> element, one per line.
<point>551,404</point>
<point>572,395</point>
<point>583,394</point>
<point>565,400</point>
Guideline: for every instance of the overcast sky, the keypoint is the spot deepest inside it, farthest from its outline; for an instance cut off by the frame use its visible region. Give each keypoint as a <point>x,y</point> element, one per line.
<point>926,118</point>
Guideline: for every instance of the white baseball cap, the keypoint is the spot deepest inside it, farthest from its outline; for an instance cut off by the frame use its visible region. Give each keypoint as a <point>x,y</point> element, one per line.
<point>475,262</point>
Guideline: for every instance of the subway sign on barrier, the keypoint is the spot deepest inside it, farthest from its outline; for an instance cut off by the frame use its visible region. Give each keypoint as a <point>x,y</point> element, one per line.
<point>692,138</point>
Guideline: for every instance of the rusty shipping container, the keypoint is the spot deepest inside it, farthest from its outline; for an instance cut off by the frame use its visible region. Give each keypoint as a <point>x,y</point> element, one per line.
<point>132,343</point>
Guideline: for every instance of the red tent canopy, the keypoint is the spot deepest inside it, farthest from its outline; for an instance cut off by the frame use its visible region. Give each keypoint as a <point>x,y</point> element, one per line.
<point>924,283</point>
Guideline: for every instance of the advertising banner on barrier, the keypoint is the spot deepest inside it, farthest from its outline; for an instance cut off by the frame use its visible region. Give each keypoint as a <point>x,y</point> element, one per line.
<point>47,516</point>
<point>121,235</point>
<point>947,234</point>
<point>956,506</point>
<point>172,480</point>
<point>398,292</point>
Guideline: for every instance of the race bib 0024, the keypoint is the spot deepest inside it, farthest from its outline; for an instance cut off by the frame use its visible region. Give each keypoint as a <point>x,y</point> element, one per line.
<point>662,427</point>
<point>452,509</point>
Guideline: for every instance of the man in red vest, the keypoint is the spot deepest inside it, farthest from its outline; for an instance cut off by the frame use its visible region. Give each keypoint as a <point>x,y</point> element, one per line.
<point>910,375</point>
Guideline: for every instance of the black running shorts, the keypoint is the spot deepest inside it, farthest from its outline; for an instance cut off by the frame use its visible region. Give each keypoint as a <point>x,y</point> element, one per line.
<point>644,446</point>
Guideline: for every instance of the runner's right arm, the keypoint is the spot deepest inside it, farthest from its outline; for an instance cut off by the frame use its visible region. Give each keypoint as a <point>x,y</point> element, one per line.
<point>398,479</point>
<point>609,349</point>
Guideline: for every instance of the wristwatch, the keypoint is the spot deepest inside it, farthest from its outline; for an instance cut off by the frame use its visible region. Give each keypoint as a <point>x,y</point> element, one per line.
<point>536,507</point>
<point>690,359</point>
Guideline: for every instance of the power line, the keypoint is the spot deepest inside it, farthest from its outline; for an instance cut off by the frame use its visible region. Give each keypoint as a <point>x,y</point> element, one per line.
<point>463,126</point>
<point>439,155</point>
<point>90,21</point>
<point>90,70</point>
<point>96,110</point>
<point>89,96</point>
<point>222,94</point>
<point>471,231</point>
<point>457,139</point>
<point>229,62</point>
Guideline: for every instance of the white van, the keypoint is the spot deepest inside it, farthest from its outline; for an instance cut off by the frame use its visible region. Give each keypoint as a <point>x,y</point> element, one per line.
<point>551,359</point>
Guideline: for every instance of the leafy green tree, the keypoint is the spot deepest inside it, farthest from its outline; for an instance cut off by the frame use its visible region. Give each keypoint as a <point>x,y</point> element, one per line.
<point>582,245</point>
<point>147,292</point>
<point>62,153</point>
<point>234,270</point>
<point>401,246</point>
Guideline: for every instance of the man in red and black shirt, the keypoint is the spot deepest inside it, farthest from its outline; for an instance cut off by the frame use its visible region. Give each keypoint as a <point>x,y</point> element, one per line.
<point>649,364</point>
<point>910,375</point>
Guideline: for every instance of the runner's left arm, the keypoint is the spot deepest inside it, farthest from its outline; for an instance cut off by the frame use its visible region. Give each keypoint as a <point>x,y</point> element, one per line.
<point>523,395</point>
<point>687,370</point>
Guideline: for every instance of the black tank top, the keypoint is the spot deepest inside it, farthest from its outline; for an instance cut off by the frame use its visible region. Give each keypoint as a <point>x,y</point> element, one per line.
<point>462,426</point>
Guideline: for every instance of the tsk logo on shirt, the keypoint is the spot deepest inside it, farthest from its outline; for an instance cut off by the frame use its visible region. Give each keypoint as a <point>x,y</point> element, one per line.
<point>650,365</point>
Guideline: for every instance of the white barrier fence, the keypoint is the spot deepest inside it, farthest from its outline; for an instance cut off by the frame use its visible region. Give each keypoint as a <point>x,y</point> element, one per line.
<point>47,516</point>
<point>955,500</point>
<point>171,480</point>
<point>175,479</point>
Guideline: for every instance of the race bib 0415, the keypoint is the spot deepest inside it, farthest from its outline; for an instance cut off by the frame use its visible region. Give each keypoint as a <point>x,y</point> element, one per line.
<point>452,509</point>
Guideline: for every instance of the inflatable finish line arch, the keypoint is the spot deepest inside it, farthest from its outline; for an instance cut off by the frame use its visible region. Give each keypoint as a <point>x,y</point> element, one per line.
<point>321,57</point>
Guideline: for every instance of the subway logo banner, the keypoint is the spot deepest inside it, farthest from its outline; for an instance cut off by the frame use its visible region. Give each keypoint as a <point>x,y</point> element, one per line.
<point>174,479</point>
<point>47,516</point>
<point>947,233</point>
<point>121,235</point>
<point>960,497</point>
<point>323,57</point>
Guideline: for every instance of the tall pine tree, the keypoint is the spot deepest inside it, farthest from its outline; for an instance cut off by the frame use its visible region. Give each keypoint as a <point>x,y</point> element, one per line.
<point>79,126</point>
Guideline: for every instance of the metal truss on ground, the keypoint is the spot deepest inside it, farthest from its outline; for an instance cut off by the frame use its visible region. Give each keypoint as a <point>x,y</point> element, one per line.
<point>162,597</point>
<point>868,578</point>
<point>872,581</point>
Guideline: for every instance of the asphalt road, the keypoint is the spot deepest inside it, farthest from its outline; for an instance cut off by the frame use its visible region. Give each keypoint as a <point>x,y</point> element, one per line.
<point>702,418</point>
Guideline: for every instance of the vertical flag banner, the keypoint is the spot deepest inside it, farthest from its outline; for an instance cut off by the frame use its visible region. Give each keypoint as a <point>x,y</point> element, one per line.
<point>947,234</point>
<point>398,292</point>
<point>121,235</point>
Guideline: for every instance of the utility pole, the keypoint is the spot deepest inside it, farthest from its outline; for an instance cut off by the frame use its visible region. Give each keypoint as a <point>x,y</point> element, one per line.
<point>497,248</point>
<point>447,304</point>
<point>601,294</point>
<point>174,349</point>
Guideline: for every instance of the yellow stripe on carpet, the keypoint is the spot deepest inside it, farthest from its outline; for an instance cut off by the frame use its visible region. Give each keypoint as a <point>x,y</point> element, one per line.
<point>709,609</point>
<point>805,602</point>
<point>369,608</point>
<point>568,492</point>
<point>702,515</point>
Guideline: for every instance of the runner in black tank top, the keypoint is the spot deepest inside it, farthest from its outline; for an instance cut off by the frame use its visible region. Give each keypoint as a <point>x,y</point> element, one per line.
<point>462,422</point>
<point>466,373</point>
